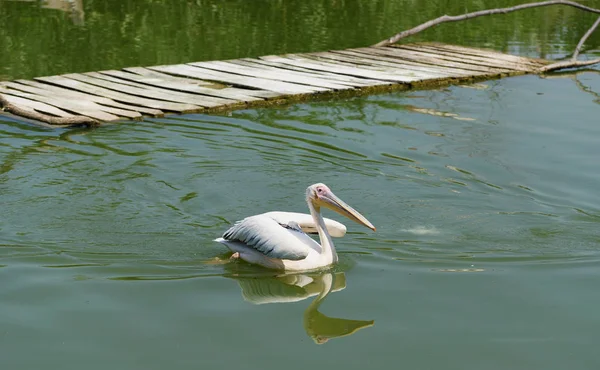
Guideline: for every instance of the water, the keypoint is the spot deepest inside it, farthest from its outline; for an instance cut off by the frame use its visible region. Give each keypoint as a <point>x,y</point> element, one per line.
<point>484,197</point>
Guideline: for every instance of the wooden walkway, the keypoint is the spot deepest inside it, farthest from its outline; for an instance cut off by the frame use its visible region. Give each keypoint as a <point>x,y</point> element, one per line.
<point>132,93</point>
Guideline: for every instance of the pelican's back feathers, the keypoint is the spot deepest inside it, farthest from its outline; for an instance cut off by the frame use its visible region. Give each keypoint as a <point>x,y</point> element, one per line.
<point>274,240</point>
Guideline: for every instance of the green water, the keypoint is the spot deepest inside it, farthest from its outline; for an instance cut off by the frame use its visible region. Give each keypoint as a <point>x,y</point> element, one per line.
<point>485,199</point>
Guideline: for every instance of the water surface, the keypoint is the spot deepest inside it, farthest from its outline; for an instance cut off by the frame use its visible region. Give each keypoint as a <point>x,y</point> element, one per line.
<point>486,252</point>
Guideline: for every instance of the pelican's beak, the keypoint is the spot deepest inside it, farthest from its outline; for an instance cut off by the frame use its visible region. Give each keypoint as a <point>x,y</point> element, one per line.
<point>332,202</point>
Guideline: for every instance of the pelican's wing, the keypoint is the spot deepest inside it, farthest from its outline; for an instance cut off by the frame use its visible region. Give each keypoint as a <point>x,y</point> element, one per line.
<point>306,222</point>
<point>271,238</point>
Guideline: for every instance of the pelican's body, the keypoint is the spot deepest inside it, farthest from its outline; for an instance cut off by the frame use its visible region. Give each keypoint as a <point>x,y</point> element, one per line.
<point>278,240</point>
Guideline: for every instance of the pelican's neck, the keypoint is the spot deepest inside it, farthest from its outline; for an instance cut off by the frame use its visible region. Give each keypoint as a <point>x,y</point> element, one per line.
<point>327,248</point>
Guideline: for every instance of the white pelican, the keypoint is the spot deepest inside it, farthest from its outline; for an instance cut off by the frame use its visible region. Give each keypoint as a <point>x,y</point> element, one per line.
<point>277,240</point>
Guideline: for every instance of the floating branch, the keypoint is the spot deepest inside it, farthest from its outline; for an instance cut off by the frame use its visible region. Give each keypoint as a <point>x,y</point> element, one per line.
<point>573,62</point>
<point>456,18</point>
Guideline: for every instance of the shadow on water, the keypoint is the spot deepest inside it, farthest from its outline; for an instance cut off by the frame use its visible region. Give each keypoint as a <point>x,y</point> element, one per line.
<point>289,288</point>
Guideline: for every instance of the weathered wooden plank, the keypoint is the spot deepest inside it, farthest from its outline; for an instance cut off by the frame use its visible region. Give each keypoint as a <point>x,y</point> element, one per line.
<point>439,60</point>
<point>136,91</point>
<point>453,57</point>
<point>296,60</point>
<point>270,69</point>
<point>196,87</point>
<point>92,105</point>
<point>127,98</point>
<point>197,72</point>
<point>395,58</point>
<point>263,94</point>
<point>186,87</point>
<point>370,64</point>
<point>95,78</point>
<point>209,101</point>
<point>394,62</point>
<point>344,79</point>
<point>486,59</point>
<point>273,74</point>
<point>401,54</point>
<point>33,105</point>
<point>150,73</point>
<point>31,121</point>
<point>536,63</point>
<point>219,67</point>
<point>95,98</point>
<point>80,107</point>
<point>398,72</point>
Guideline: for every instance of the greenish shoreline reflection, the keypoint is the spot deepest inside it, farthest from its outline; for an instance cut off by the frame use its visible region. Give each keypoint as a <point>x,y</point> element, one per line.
<point>41,38</point>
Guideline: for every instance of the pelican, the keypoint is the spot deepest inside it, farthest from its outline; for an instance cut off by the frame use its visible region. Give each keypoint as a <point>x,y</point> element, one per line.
<point>278,240</point>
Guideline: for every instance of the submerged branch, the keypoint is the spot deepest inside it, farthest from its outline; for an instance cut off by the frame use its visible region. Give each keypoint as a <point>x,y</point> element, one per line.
<point>584,38</point>
<point>568,64</point>
<point>52,120</point>
<point>573,62</point>
<point>448,18</point>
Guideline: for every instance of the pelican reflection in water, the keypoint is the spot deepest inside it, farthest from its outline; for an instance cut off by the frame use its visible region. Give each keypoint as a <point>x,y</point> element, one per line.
<point>278,240</point>
<point>298,287</point>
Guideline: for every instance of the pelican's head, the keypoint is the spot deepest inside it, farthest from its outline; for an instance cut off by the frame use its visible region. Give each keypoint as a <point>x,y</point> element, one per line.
<point>319,195</point>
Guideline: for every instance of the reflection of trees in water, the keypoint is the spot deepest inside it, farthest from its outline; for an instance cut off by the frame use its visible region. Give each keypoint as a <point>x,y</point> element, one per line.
<point>298,287</point>
<point>575,77</point>
<point>73,7</point>
<point>586,88</point>
<point>121,33</point>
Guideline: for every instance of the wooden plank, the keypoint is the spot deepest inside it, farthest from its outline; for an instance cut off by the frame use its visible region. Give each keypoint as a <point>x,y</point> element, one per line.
<point>486,60</point>
<point>197,72</point>
<point>453,57</point>
<point>273,74</point>
<point>22,119</point>
<point>384,54</point>
<point>97,99</point>
<point>335,60</point>
<point>438,60</point>
<point>186,87</point>
<point>182,96</point>
<point>394,62</point>
<point>401,54</point>
<point>263,94</point>
<point>33,105</point>
<point>296,60</point>
<point>366,63</point>
<point>34,90</point>
<point>343,79</point>
<point>80,107</point>
<point>269,69</point>
<point>126,98</point>
<point>399,75</point>
<point>98,79</point>
<point>150,73</point>
<point>435,59</point>
<point>221,67</point>
<point>144,93</point>
<point>488,53</point>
